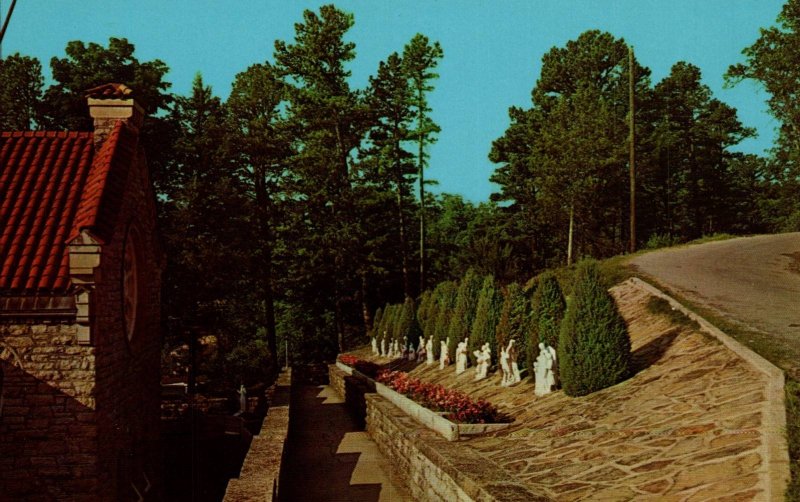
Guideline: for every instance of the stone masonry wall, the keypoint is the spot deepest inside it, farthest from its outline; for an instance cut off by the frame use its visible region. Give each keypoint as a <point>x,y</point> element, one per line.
<point>433,468</point>
<point>336,378</point>
<point>48,429</point>
<point>262,465</point>
<point>128,372</point>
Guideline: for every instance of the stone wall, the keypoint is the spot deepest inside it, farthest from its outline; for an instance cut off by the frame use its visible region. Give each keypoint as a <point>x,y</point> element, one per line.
<point>48,428</point>
<point>433,468</point>
<point>336,378</point>
<point>261,467</point>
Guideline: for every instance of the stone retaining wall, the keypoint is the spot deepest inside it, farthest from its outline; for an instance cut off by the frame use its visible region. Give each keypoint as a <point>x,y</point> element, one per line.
<point>261,467</point>
<point>433,468</point>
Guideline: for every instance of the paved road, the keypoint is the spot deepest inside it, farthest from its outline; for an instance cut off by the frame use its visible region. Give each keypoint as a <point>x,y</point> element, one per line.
<point>754,281</point>
<point>330,458</point>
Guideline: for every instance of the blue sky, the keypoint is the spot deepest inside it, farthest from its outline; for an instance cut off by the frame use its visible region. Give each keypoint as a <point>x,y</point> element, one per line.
<point>492,48</point>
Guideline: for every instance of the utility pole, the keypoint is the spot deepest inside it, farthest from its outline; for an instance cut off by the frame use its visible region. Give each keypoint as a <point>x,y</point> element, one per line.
<point>632,167</point>
<point>5,25</point>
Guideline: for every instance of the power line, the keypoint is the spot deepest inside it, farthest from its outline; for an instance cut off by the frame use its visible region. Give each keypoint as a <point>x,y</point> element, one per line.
<point>5,25</point>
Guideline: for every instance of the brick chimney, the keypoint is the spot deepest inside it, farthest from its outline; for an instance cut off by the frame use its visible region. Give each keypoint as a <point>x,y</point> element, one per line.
<point>110,103</point>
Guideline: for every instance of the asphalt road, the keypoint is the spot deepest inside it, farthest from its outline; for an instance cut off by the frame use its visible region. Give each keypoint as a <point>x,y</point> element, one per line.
<point>752,281</point>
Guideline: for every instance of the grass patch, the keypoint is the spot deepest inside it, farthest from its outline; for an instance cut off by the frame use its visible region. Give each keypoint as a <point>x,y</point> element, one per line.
<point>713,238</point>
<point>660,306</point>
<point>793,437</point>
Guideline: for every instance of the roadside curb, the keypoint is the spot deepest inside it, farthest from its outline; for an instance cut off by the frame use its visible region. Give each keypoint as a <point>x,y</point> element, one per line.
<point>775,451</point>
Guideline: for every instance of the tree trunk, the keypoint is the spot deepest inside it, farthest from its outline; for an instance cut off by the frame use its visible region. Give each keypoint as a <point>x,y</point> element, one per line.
<point>264,220</point>
<point>421,166</point>
<point>365,314</point>
<point>401,220</point>
<point>569,239</point>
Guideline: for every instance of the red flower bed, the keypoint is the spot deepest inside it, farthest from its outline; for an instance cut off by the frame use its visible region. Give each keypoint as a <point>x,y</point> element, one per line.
<point>368,368</point>
<point>348,359</point>
<point>458,406</point>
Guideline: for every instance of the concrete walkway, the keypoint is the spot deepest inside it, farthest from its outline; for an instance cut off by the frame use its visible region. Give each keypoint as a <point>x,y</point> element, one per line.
<point>329,457</point>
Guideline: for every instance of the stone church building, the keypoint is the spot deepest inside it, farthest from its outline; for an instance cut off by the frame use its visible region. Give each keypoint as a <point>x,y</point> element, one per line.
<point>80,279</point>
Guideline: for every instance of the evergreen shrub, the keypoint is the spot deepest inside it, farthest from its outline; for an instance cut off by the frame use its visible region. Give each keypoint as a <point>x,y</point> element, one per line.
<point>594,349</point>
<point>514,323</point>
<point>548,308</point>
<point>464,312</point>
<point>484,325</point>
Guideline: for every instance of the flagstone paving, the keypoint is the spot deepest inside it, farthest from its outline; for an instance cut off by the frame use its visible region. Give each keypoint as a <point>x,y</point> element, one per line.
<point>329,457</point>
<point>690,425</point>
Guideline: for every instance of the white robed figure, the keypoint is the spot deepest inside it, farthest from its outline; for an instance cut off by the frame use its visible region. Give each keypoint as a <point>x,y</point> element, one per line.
<point>545,377</point>
<point>461,357</point>
<point>444,357</point>
<point>483,358</point>
<point>429,350</point>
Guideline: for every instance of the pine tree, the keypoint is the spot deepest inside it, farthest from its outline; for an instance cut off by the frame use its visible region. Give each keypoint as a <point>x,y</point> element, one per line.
<point>420,58</point>
<point>594,349</point>
<point>484,325</point>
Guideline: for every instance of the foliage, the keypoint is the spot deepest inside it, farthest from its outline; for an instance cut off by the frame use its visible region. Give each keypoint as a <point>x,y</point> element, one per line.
<point>460,408</point>
<point>409,329</point>
<point>420,58</point>
<point>774,62</point>
<point>487,313</point>
<point>376,322</point>
<point>515,319</point>
<point>446,300</point>
<point>656,241</point>
<point>547,312</point>
<point>464,312</point>
<point>21,83</point>
<point>594,350</point>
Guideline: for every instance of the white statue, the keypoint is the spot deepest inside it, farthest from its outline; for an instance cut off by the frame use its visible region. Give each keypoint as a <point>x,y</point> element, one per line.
<point>511,373</point>
<point>429,350</point>
<point>396,348</point>
<point>444,357</point>
<point>374,342</point>
<point>505,368</point>
<point>404,348</point>
<point>383,345</point>
<point>412,353</point>
<point>242,399</point>
<point>422,349</point>
<point>461,357</point>
<point>483,358</point>
<point>545,378</point>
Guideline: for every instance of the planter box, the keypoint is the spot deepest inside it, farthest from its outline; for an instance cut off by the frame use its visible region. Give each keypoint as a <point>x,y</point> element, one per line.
<point>434,421</point>
<point>342,366</point>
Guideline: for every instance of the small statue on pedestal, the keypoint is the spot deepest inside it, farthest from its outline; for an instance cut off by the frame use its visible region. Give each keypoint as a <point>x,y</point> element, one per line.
<point>483,358</point>
<point>461,357</point>
<point>444,357</point>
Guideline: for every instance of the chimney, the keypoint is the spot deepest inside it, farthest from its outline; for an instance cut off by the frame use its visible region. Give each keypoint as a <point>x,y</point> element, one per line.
<point>110,103</point>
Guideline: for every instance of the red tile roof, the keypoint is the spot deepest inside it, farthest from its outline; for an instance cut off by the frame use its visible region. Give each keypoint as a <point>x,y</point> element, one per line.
<point>52,186</point>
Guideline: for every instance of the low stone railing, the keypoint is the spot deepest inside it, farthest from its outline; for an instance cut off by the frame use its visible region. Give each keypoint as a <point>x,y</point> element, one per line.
<point>261,468</point>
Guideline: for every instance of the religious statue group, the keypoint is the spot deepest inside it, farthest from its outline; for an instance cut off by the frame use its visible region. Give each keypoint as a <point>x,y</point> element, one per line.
<point>543,366</point>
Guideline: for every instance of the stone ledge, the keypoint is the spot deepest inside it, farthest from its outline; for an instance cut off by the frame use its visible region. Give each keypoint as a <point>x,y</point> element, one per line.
<point>775,450</point>
<point>434,468</point>
<point>261,467</point>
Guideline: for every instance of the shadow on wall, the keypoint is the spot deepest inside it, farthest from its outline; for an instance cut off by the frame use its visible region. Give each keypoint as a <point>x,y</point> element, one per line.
<point>49,443</point>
